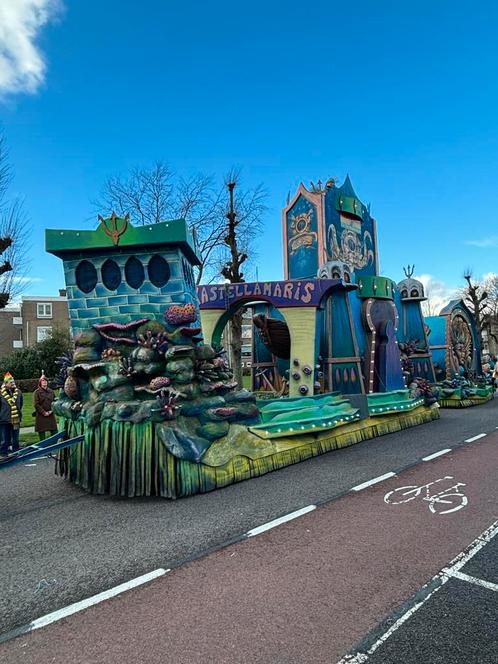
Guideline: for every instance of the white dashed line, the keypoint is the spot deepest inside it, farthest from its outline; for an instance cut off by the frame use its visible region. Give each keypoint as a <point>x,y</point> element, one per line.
<point>436,454</point>
<point>375,480</point>
<point>96,599</point>
<point>280,520</point>
<point>471,440</point>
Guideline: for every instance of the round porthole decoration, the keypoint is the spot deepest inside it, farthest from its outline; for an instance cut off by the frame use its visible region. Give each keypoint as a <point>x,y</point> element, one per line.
<point>303,389</point>
<point>111,274</point>
<point>159,271</point>
<point>134,272</point>
<point>86,276</point>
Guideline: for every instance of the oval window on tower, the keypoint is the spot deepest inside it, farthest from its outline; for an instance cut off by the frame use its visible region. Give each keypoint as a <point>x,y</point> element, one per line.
<point>86,276</point>
<point>159,271</point>
<point>111,274</point>
<point>134,272</point>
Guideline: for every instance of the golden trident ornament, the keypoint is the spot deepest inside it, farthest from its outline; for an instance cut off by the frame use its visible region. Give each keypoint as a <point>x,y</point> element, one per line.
<point>111,226</point>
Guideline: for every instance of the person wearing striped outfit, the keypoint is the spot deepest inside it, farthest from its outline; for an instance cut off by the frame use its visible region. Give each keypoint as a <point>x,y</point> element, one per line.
<point>10,415</point>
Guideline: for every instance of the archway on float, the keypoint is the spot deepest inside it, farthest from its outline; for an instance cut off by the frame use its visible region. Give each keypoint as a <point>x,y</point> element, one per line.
<point>297,301</point>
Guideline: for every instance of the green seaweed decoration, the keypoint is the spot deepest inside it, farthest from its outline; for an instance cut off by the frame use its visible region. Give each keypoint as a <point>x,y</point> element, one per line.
<point>145,373</point>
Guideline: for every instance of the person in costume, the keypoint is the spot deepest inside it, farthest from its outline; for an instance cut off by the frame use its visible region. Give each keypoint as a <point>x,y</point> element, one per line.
<point>10,415</point>
<point>43,398</point>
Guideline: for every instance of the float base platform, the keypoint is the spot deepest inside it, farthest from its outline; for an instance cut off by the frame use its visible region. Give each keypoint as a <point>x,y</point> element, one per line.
<point>464,403</point>
<point>128,460</point>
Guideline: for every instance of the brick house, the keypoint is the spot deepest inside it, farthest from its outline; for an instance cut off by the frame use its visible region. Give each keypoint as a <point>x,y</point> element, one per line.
<point>32,321</point>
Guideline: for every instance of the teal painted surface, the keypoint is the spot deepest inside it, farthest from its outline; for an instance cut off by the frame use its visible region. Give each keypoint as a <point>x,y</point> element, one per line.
<point>302,239</point>
<point>411,320</point>
<point>349,230</point>
<point>342,339</point>
<point>102,305</point>
<point>288,417</point>
<point>437,326</point>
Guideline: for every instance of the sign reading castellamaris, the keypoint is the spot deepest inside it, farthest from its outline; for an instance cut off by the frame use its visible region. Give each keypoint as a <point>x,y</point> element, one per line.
<point>290,293</point>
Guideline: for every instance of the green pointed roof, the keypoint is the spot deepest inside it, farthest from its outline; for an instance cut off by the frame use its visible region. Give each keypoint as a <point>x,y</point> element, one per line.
<point>117,232</point>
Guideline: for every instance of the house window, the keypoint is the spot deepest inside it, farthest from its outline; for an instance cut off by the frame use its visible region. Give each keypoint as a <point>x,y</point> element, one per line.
<point>44,310</point>
<point>43,333</point>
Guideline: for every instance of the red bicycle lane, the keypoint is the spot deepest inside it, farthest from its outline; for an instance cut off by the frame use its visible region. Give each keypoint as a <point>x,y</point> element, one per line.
<point>306,591</point>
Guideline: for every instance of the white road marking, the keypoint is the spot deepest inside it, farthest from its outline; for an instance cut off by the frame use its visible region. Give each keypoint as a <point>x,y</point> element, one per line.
<point>96,599</point>
<point>436,454</point>
<point>443,576</point>
<point>29,465</point>
<point>280,520</point>
<point>471,440</point>
<point>375,480</point>
<point>474,580</point>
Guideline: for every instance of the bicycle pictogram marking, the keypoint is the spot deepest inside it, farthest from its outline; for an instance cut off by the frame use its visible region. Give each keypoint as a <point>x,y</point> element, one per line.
<point>446,501</point>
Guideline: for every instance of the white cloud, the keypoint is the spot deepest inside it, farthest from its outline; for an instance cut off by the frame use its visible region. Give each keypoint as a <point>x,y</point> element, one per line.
<point>438,294</point>
<point>22,66</point>
<point>490,242</point>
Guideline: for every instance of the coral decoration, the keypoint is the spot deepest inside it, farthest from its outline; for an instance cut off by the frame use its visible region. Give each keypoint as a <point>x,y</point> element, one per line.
<point>167,402</point>
<point>116,332</point>
<point>110,354</point>
<point>158,342</point>
<point>155,385</point>
<point>180,315</point>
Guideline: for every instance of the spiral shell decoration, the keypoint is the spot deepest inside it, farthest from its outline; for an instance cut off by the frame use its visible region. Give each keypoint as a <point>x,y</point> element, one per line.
<point>180,314</point>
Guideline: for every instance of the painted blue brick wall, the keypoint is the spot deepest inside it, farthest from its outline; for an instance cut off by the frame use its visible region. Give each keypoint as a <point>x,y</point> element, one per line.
<point>125,304</point>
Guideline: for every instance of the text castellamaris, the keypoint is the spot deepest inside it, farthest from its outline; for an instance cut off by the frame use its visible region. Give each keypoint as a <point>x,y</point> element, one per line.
<point>289,292</point>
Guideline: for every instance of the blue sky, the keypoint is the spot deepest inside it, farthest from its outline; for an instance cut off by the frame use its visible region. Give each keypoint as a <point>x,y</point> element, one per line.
<point>402,96</point>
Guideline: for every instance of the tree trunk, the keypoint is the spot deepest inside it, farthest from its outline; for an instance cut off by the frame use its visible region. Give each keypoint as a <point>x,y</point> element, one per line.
<point>236,346</point>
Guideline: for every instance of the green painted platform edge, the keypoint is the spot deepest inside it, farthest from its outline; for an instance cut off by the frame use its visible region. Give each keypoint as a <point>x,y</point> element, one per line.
<point>385,397</point>
<point>265,431</point>
<point>393,407</point>
<point>170,477</point>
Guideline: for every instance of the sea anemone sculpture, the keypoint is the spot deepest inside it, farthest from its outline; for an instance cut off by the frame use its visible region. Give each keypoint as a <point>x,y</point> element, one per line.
<point>180,314</point>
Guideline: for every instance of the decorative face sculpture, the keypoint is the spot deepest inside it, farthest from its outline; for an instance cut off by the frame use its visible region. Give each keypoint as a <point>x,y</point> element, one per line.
<point>462,347</point>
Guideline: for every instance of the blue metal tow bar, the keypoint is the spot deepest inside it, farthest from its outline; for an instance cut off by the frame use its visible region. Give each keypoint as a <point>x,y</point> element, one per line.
<point>47,446</point>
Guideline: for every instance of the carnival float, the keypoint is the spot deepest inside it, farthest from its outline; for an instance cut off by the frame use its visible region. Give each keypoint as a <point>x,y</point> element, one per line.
<point>341,354</point>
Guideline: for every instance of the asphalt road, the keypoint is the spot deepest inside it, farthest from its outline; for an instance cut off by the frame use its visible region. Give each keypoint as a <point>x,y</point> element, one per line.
<point>307,590</point>
<point>59,545</point>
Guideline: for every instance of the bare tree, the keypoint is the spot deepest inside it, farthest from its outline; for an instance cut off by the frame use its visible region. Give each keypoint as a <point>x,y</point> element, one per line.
<point>13,235</point>
<point>476,297</point>
<point>151,195</point>
<point>430,306</point>
<point>246,208</point>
